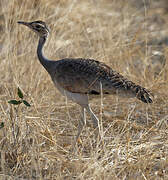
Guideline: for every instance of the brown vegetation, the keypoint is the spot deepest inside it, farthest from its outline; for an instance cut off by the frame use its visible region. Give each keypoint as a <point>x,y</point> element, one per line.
<point>132,39</point>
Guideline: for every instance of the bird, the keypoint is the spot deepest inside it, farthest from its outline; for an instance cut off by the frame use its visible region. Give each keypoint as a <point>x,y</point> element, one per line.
<point>79,79</point>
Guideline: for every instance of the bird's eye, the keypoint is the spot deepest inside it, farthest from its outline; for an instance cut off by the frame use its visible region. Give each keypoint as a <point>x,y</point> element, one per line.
<point>38,26</point>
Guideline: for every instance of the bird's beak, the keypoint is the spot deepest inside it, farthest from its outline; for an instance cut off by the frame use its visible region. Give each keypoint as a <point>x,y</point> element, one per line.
<point>24,23</point>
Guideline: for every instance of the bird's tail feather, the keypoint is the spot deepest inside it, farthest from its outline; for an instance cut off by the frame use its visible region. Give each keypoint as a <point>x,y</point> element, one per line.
<point>142,94</point>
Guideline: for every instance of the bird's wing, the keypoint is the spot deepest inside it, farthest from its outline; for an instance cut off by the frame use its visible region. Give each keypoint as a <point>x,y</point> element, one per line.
<point>88,76</point>
<point>82,75</point>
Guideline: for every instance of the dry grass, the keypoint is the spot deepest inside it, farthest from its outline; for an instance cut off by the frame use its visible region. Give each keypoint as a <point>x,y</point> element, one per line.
<point>35,142</point>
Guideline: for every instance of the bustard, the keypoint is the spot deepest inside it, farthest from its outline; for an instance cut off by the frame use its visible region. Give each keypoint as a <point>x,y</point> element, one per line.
<point>79,78</point>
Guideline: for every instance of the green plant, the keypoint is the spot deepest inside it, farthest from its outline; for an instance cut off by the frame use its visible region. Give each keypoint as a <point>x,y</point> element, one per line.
<point>1,125</point>
<point>17,102</point>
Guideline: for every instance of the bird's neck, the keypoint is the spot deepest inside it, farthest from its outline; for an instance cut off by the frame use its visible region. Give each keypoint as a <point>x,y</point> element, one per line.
<point>47,64</point>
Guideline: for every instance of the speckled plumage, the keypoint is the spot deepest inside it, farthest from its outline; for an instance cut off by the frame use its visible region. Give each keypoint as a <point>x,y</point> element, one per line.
<point>78,78</point>
<point>85,75</point>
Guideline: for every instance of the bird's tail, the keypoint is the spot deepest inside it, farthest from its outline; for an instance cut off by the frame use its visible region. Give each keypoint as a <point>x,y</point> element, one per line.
<point>142,94</point>
<point>131,89</point>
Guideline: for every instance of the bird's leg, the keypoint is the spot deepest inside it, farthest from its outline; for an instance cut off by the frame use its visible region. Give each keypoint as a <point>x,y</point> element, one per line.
<point>82,123</point>
<point>93,116</point>
<point>95,123</point>
<point>94,119</point>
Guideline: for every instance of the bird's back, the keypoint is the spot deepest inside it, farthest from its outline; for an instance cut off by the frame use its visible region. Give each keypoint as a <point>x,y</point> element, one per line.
<point>87,76</point>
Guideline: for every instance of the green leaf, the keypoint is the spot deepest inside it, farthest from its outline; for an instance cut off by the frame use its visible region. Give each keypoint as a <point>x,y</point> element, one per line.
<point>15,102</point>
<point>26,103</point>
<point>1,125</point>
<point>20,94</point>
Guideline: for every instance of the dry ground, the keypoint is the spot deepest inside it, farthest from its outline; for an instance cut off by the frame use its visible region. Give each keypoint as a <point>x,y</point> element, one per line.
<point>131,37</point>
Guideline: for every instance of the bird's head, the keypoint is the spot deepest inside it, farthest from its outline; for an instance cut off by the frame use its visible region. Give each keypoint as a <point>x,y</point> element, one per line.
<point>37,26</point>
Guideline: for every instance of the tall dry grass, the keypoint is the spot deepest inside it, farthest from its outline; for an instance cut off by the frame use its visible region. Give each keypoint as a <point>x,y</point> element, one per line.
<point>35,142</point>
